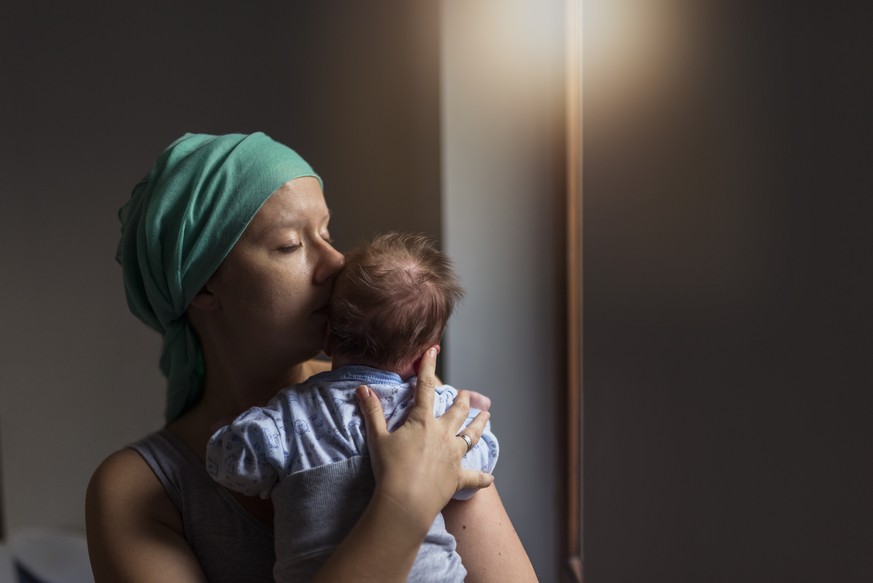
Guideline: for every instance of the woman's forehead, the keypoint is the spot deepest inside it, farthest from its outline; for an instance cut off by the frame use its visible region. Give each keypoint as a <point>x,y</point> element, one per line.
<point>296,202</point>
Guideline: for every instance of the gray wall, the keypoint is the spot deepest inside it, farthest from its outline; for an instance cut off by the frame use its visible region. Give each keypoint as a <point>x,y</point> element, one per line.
<point>92,99</point>
<point>503,213</point>
<point>727,322</point>
<point>94,92</point>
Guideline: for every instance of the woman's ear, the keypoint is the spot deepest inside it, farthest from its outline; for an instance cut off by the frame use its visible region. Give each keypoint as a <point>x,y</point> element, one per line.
<point>205,300</point>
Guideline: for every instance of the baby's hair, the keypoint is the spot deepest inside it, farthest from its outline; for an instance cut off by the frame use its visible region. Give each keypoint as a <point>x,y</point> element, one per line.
<point>392,300</point>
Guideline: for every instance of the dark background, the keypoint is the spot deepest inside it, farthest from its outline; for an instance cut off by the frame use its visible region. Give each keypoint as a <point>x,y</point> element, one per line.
<point>354,88</point>
<point>93,91</point>
<point>727,280</point>
<point>728,326</point>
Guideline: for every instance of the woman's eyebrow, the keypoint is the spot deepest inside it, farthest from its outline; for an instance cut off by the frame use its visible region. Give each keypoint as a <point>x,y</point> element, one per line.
<point>293,219</point>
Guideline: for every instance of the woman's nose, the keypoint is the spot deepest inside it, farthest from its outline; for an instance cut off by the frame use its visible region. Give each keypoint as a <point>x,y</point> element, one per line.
<point>329,264</point>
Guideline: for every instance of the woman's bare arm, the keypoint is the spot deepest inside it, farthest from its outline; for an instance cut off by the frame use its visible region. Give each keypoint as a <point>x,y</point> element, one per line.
<point>487,541</point>
<point>134,530</point>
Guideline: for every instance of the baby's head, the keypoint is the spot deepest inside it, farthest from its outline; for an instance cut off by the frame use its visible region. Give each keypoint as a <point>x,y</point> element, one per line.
<point>390,302</point>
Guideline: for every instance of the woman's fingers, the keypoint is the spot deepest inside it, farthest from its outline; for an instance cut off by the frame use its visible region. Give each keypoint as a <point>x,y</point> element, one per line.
<point>456,415</point>
<point>417,464</point>
<point>474,479</point>
<point>474,429</point>
<point>426,384</point>
<point>477,425</point>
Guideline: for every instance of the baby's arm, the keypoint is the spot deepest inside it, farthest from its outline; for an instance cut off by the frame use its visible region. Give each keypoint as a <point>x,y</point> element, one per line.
<point>249,455</point>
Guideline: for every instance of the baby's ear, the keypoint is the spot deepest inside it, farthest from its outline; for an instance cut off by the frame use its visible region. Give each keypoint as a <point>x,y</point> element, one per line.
<point>205,300</point>
<point>416,364</point>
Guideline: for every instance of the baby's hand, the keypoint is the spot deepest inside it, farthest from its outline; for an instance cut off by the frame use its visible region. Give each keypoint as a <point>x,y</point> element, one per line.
<point>479,401</point>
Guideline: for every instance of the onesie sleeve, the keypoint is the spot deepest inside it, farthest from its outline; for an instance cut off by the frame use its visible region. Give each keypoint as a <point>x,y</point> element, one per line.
<point>483,455</point>
<point>250,454</point>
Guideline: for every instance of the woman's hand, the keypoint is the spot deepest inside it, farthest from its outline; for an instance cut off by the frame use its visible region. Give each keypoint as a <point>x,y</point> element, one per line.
<point>418,466</point>
<point>418,470</point>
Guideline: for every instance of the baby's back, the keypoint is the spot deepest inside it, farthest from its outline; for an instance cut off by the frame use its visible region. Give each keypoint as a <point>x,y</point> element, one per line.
<point>316,509</point>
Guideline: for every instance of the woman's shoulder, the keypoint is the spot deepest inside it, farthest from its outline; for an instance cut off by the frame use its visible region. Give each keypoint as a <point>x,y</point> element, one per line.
<point>134,531</point>
<point>121,466</point>
<point>124,484</point>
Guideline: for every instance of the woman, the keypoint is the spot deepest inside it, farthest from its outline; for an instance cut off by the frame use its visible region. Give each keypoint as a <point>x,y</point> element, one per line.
<point>226,252</point>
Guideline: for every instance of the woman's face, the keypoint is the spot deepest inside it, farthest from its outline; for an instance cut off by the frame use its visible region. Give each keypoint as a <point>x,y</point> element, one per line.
<point>273,287</point>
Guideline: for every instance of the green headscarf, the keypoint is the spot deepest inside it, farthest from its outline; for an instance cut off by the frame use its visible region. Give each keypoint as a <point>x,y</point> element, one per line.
<point>180,223</point>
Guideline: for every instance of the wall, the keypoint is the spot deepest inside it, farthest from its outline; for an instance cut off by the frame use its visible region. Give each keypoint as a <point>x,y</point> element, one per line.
<point>93,93</point>
<point>727,318</point>
<point>100,89</point>
<point>503,178</point>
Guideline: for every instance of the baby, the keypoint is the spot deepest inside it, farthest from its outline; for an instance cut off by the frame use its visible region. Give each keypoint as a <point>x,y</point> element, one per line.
<point>304,449</point>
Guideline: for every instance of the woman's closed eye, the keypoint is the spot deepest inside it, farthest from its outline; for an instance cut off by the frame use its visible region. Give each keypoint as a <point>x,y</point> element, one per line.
<point>290,247</point>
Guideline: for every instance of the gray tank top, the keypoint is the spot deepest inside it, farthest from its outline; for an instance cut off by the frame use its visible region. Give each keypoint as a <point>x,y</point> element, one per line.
<point>315,510</point>
<point>231,545</point>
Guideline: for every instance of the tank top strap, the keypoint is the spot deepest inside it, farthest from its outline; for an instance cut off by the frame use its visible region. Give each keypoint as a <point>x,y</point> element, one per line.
<point>230,543</point>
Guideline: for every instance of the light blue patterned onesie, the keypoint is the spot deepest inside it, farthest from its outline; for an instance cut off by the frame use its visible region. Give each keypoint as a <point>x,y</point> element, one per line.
<point>316,424</point>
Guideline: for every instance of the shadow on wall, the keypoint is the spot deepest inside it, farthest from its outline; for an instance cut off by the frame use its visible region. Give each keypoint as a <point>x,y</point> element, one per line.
<point>45,556</point>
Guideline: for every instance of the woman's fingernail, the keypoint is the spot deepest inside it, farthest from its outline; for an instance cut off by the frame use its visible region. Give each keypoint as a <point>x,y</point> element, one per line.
<point>431,352</point>
<point>363,392</point>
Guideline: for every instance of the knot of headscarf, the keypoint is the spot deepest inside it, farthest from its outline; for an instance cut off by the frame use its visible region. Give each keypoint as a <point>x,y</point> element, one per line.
<point>180,223</point>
